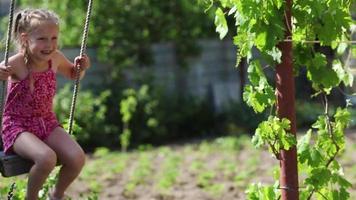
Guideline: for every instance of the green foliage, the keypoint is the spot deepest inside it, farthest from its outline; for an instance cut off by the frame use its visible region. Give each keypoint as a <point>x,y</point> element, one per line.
<point>123,33</point>
<point>152,119</point>
<point>106,169</point>
<point>177,21</point>
<point>21,185</point>
<point>134,102</point>
<point>254,21</point>
<point>140,173</point>
<point>221,24</point>
<point>90,115</point>
<point>260,24</point>
<point>323,77</point>
<point>328,20</point>
<point>71,23</point>
<point>258,94</point>
<point>260,192</point>
<point>232,122</point>
<point>169,170</point>
<point>205,180</point>
<point>47,187</point>
<point>125,139</point>
<point>318,151</point>
<point>273,132</point>
<point>156,120</point>
<point>195,117</point>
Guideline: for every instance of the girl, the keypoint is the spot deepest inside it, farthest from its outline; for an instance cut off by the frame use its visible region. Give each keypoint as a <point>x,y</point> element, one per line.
<point>30,127</point>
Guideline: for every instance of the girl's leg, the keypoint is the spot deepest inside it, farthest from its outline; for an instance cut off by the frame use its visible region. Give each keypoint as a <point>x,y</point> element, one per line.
<point>70,155</point>
<point>29,146</point>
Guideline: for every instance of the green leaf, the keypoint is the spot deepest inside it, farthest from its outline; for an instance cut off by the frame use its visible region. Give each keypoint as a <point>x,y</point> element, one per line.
<point>304,147</point>
<point>320,73</point>
<point>226,3</point>
<point>319,177</point>
<point>274,132</point>
<point>340,180</point>
<point>220,23</point>
<point>260,24</point>
<point>255,73</point>
<point>342,74</point>
<point>276,54</point>
<point>260,192</point>
<point>252,99</point>
<point>232,10</point>
<point>342,116</point>
<point>343,194</point>
<point>341,48</point>
<point>269,193</point>
<point>259,94</point>
<point>278,3</point>
<point>316,158</point>
<point>244,42</point>
<point>257,141</point>
<point>252,192</point>
<point>261,40</point>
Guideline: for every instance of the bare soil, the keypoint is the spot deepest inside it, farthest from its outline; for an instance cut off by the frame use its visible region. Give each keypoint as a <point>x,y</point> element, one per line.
<point>252,166</point>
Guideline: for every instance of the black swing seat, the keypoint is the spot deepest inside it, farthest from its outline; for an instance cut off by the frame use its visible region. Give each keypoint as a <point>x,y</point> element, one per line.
<point>13,165</point>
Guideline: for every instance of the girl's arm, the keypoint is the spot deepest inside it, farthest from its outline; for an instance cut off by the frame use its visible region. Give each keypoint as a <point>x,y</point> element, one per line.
<point>5,72</point>
<point>67,68</point>
<point>15,68</point>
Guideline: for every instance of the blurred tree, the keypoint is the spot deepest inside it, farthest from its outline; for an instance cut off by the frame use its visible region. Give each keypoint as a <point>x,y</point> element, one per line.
<point>123,31</point>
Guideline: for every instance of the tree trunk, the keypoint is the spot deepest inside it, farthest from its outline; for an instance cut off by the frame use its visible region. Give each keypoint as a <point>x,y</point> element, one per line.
<point>286,109</point>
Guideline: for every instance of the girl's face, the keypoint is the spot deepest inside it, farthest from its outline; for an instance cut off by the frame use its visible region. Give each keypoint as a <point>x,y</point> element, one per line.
<point>42,42</point>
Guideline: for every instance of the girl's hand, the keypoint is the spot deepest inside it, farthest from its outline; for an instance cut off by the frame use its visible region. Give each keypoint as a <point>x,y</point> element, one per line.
<point>5,72</point>
<point>82,62</point>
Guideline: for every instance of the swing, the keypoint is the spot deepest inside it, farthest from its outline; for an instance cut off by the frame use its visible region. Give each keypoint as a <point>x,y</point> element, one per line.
<point>13,165</point>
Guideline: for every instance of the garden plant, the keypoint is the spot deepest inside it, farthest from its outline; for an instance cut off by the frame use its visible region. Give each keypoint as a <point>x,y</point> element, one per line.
<point>309,27</point>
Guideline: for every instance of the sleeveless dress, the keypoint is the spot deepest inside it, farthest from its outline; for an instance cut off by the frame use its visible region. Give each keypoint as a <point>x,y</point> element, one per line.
<point>30,111</point>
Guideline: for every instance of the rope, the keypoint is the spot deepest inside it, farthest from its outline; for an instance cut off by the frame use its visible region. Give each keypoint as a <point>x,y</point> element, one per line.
<point>77,67</point>
<point>6,58</point>
<point>10,194</point>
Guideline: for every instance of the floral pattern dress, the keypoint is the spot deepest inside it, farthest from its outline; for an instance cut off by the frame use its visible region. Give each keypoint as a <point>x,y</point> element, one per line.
<point>30,109</point>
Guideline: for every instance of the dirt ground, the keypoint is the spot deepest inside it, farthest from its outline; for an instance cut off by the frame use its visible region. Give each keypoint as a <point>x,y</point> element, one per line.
<point>253,166</point>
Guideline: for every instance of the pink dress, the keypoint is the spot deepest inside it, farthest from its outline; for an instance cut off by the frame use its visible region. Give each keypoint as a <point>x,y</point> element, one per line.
<point>30,111</point>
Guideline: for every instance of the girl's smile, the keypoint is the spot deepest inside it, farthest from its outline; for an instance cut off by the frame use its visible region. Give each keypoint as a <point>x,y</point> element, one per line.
<point>42,42</point>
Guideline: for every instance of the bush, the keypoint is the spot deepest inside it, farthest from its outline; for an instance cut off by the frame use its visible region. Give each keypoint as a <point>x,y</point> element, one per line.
<point>157,118</point>
<point>238,118</point>
<point>90,128</point>
<point>185,117</point>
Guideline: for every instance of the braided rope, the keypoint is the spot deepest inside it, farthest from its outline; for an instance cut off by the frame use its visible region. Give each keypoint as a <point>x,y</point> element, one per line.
<point>77,67</point>
<point>6,58</point>
<point>10,194</point>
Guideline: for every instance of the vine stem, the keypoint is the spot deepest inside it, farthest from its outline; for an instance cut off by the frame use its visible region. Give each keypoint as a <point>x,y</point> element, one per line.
<point>274,150</point>
<point>318,41</point>
<point>330,131</point>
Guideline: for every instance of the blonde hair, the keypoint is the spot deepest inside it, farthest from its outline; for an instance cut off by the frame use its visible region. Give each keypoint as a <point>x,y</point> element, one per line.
<point>28,20</point>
